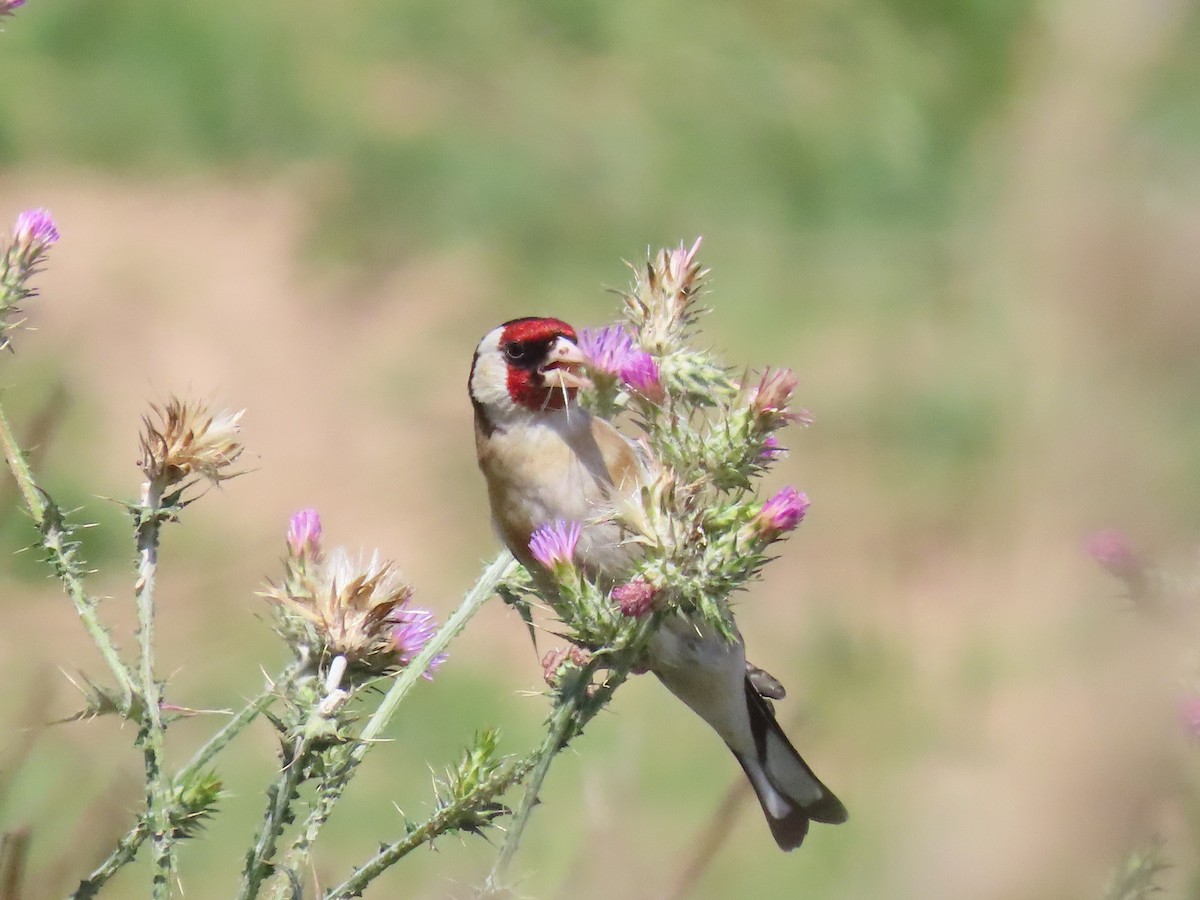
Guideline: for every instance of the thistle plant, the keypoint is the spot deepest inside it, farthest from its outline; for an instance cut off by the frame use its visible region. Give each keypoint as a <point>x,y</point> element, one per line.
<point>33,235</point>
<point>349,622</point>
<point>358,642</point>
<point>1167,597</point>
<point>707,436</point>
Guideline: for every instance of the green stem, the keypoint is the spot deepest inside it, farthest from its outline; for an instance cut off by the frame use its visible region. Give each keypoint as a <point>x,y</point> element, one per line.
<point>556,738</point>
<point>276,817</point>
<point>335,782</point>
<point>159,796</point>
<point>65,564</point>
<point>485,588</point>
<point>444,820</point>
<point>575,708</point>
<point>129,845</point>
<point>122,855</point>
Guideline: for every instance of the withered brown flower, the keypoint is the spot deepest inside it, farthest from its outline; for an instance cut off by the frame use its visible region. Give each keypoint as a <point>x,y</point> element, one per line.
<point>183,438</point>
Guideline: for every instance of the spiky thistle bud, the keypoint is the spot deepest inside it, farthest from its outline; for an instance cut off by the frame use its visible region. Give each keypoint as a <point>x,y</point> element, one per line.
<point>635,598</point>
<point>661,306</point>
<point>554,662</point>
<point>771,398</point>
<point>33,234</point>
<point>304,535</point>
<point>781,513</point>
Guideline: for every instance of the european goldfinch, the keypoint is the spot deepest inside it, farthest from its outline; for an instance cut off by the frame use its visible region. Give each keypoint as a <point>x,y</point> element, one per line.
<point>546,459</point>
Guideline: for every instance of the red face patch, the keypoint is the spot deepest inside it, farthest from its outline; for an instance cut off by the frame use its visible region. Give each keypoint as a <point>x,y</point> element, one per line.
<point>526,344</point>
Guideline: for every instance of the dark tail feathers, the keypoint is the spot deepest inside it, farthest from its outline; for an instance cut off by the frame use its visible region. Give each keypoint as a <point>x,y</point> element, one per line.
<point>790,794</point>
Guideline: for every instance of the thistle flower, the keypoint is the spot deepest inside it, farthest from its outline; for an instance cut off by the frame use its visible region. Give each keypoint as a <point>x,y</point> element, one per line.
<point>34,231</point>
<point>7,6</point>
<point>554,545</point>
<point>679,264</point>
<point>1189,715</point>
<point>772,396</point>
<point>304,535</point>
<point>1114,551</point>
<point>635,598</point>
<point>608,349</point>
<point>612,351</point>
<point>771,449</point>
<point>353,608</point>
<point>781,513</point>
<point>181,439</point>
<point>641,375</point>
<point>412,629</point>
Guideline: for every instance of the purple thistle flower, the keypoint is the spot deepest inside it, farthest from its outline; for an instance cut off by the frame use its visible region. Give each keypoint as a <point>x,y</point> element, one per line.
<point>781,513</point>
<point>1189,715</point>
<point>34,230</point>
<point>680,260</point>
<point>412,629</point>
<point>641,374</point>
<point>771,449</point>
<point>635,598</point>
<point>1113,550</point>
<point>611,350</point>
<point>554,545</point>
<point>774,391</point>
<point>608,349</point>
<point>304,534</point>
<point>7,6</point>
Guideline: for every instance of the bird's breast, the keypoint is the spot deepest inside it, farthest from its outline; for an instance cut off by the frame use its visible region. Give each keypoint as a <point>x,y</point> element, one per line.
<point>556,469</point>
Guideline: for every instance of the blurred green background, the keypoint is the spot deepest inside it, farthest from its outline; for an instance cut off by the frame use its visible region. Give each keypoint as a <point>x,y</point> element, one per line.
<point>971,227</point>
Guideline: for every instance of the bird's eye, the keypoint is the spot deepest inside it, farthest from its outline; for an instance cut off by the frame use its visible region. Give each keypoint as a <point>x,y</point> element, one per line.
<point>516,351</point>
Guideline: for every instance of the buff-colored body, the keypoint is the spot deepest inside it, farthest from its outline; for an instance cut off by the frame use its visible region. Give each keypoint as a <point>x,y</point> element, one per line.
<point>545,464</point>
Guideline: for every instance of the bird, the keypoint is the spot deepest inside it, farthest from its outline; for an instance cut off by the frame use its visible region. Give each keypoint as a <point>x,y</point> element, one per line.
<point>546,459</point>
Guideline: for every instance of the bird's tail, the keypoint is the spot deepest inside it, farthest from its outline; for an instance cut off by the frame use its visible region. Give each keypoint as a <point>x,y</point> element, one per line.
<point>790,794</point>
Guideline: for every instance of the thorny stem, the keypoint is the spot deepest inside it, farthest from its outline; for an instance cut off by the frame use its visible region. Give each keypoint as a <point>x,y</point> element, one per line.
<point>122,855</point>
<point>277,816</point>
<point>578,703</point>
<point>129,845</point>
<point>555,740</point>
<point>158,788</point>
<point>343,764</point>
<point>440,822</point>
<point>65,565</point>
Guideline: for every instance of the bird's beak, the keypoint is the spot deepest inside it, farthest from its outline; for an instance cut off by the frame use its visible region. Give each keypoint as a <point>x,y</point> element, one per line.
<point>564,365</point>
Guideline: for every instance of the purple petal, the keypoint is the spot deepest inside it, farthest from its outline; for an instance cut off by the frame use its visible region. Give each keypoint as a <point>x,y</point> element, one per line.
<point>35,227</point>
<point>554,544</point>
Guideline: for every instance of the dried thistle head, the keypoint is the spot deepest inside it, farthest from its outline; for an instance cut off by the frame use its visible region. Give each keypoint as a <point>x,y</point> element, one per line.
<point>182,439</point>
<point>354,608</point>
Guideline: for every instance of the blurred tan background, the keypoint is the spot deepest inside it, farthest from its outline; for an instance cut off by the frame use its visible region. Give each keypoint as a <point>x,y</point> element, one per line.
<point>972,228</point>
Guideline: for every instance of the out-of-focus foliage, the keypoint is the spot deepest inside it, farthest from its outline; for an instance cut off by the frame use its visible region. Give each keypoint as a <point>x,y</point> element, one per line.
<point>547,128</point>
